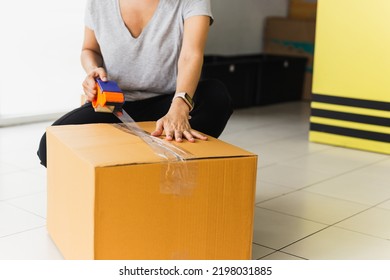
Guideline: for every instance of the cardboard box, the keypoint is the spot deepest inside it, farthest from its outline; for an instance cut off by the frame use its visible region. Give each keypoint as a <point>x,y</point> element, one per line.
<point>107,197</point>
<point>284,36</point>
<point>302,9</point>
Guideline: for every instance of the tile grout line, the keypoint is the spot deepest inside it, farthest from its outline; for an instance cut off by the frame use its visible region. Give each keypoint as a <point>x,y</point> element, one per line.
<point>21,196</point>
<point>333,225</point>
<point>23,231</point>
<point>278,251</point>
<point>337,175</point>
<point>255,243</point>
<point>24,210</point>
<point>322,181</point>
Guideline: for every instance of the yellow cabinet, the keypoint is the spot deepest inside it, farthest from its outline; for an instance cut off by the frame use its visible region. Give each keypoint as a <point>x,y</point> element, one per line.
<point>351,85</point>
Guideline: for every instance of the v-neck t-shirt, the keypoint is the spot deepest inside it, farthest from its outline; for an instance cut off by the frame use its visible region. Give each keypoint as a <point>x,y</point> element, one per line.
<point>145,66</point>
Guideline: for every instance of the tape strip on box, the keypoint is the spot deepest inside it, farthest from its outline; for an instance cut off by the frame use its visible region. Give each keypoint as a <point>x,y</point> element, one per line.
<point>177,176</point>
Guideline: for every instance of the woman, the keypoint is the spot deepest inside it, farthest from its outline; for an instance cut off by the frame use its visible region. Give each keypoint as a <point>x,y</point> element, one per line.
<point>154,50</point>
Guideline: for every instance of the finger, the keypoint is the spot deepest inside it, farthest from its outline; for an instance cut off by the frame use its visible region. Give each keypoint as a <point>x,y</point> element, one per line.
<point>88,90</point>
<point>169,134</point>
<point>159,129</point>
<point>198,135</point>
<point>90,83</point>
<point>188,136</point>
<point>90,97</point>
<point>178,136</point>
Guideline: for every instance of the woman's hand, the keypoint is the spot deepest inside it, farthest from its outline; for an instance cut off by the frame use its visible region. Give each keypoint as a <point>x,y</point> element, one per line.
<point>176,125</point>
<point>89,84</point>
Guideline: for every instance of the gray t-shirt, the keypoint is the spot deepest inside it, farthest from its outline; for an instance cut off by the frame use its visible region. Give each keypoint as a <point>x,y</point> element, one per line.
<point>145,66</point>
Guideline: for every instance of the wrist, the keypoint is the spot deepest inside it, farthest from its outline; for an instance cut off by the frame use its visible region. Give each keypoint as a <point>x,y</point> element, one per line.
<point>185,98</point>
<point>180,104</point>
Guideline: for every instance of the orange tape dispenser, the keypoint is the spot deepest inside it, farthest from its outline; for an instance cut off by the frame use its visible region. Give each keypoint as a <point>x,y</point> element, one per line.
<point>109,98</point>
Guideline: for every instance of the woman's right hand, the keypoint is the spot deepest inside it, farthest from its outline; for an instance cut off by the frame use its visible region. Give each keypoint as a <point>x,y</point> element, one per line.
<point>89,84</point>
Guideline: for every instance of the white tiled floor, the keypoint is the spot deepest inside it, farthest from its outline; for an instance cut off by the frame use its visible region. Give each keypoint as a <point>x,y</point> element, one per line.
<point>313,201</point>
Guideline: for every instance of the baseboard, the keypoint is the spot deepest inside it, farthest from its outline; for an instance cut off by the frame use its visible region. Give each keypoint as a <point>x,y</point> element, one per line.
<point>28,119</point>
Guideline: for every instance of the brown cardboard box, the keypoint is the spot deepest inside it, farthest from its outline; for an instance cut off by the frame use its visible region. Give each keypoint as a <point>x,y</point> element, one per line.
<point>285,36</point>
<point>106,198</point>
<point>302,9</point>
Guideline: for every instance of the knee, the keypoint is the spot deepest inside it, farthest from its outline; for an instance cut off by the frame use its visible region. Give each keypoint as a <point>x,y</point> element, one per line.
<point>216,94</point>
<point>42,151</point>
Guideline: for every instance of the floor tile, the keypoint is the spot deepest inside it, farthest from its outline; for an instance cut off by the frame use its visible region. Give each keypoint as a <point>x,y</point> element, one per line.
<point>7,168</point>
<point>336,161</point>
<point>266,191</point>
<point>339,244</point>
<point>280,151</point>
<point>18,184</point>
<point>354,186</point>
<point>25,158</point>
<point>260,251</point>
<point>14,220</point>
<point>384,205</point>
<point>251,137</point>
<point>29,245</point>
<point>18,145</point>
<point>274,152</point>
<point>275,230</point>
<point>313,207</point>
<point>286,149</point>
<point>291,177</point>
<point>23,136</point>
<point>375,222</point>
<point>35,203</point>
<point>281,256</point>
<point>378,171</point>
<point>242,121</point>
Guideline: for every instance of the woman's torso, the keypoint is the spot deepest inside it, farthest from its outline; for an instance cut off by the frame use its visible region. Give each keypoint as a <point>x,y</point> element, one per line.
<point>143,64</point>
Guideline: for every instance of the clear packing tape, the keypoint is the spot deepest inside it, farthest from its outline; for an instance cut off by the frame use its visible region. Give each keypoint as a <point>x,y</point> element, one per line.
<point>177,175</point>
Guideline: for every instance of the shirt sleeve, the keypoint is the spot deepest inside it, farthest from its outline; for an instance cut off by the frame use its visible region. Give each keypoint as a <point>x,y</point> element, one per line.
<point>88,18</point>
<point>197,8</point>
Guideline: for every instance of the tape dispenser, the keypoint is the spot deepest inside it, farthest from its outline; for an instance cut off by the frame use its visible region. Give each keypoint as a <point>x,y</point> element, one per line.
<point>109,97</point>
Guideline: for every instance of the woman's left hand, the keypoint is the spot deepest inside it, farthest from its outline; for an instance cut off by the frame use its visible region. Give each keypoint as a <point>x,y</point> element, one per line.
<point>176,125</point>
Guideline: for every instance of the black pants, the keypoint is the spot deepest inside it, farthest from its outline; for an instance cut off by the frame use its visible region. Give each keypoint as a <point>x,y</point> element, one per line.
<point>211,112</point>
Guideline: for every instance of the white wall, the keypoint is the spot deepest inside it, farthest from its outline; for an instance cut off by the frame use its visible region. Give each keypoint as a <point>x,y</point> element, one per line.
<point>40,71</point>
<point>40,46</point>
<point>238,25</point>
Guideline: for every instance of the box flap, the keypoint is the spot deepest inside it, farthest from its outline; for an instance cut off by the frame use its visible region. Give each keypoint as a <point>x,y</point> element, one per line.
<point>109,145</point>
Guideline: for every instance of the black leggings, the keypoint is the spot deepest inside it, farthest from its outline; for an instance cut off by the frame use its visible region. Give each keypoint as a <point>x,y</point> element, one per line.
<point>211,112</point>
